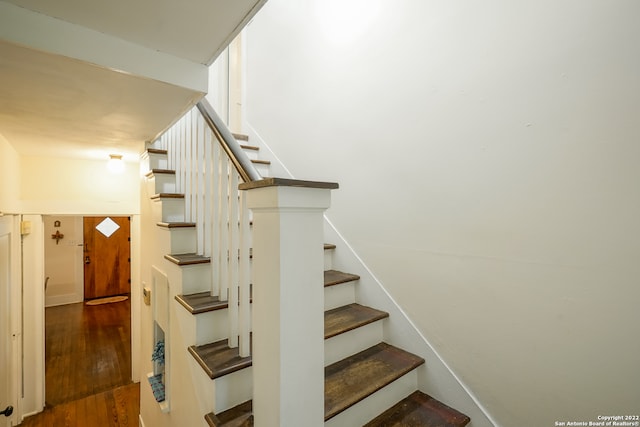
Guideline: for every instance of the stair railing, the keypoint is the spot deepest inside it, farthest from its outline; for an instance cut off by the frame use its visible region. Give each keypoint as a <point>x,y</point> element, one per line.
<point>209,165</point>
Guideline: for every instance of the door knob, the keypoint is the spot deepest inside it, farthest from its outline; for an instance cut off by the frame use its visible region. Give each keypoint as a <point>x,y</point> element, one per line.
<point>7,411</point>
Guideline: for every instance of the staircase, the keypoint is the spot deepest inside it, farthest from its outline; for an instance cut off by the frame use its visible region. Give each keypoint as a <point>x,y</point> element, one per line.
<point>367,381</point>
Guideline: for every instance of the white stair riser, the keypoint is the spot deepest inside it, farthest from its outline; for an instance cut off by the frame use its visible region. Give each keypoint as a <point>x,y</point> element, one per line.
<point>233,389</point>
<point>224,392</point>
<point>172,210</point>
<point>214,327</point>
<point>352,342</point>
<point>369,408</point>
<point>339,295</point>
<point>179,240</point>
<point>262,169</point>
<point>158,161</point>
<point>164,183</point>
<point>195,278</point>
<point>251,154</point>
<point>328,259</point>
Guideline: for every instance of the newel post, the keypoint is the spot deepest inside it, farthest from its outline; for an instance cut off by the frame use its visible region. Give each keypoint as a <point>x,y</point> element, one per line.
<point>288,301</point>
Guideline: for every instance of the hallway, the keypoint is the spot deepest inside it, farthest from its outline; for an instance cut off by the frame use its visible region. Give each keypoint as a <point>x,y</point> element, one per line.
<point>88,367</point>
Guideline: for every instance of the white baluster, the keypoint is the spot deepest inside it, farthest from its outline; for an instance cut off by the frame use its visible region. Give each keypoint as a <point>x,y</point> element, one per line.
<point>223,223</point>
<point>215,230</point>
<point>208,184</point>
<point>244,310</point>
<point>198,124</point>
<point>233,259</point>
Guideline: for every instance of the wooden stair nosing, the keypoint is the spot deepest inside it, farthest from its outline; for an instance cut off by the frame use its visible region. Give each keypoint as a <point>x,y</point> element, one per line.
<point>153,172</point>
<point>176,224</point>
<point>260,162</point>
<point>238,416</point>
<point>420,409</point>
<point>167,196</point>
<point>240,136</point>
<point>201,302</point>
<point>356,377</point>
<point>335,277</point>
<point>349,317</point>
<point>218,360</point>
<point>156,151</point>
<point>249,147</point>
<point>329,246</point>
<point>187,259</point>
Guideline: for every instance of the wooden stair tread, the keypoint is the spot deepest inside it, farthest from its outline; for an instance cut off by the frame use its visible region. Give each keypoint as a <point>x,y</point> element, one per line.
<point>201,302</point>
<point>329,246</point>
<point>260,162</point>
<point>217,359</point>
<point>240,136</point>
<point>419,409</point>
<point>238,416</point>
<point>249,147</point>
<point>349,317</point>
<point>187,259</point>
<point>153,172</point>
<point>352,379</point>
<point>156,151</point>
<point>176,224</point>
<point>167,196</point>
<point>335,277</point>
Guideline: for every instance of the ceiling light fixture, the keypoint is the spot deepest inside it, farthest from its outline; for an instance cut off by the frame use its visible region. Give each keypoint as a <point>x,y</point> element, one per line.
<point>115,164</point>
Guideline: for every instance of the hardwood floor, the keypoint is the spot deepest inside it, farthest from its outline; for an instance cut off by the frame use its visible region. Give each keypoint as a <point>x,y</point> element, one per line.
<point>118,407</point>
<point>88,350</point>
<point>88,367</point>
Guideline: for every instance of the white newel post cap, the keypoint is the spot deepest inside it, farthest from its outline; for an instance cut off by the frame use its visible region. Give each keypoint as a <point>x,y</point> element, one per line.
<point>288,193</point>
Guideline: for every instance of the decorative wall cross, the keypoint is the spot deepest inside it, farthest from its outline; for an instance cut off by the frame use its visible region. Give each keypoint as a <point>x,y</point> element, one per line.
<point>57,236</point>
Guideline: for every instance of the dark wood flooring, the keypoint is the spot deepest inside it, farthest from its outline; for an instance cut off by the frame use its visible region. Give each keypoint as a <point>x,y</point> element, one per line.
<point>118,407</point>
<point>88,350</point>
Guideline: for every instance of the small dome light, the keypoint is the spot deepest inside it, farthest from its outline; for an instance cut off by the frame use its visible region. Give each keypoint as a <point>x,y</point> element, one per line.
<point>115,164</point>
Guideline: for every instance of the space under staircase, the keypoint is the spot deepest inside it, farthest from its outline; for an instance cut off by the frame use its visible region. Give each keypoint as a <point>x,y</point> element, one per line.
<point>366,380</point>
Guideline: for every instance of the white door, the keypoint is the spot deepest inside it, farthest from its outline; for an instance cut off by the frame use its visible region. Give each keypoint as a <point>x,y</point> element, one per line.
<point>5,320</point>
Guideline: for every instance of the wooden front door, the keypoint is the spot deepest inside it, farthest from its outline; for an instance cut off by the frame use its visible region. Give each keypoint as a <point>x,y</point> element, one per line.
<point>107,268</point>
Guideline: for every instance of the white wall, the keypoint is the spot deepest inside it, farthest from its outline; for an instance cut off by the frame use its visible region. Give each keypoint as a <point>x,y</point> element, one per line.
<point>487,156</point>
<point>33,316</point>
<point>52,185</point>
<point>63,263</point>
<point>9,177</point>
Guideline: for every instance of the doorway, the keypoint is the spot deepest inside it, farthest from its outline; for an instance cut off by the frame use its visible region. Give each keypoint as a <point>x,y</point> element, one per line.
<point>107,269</point>
<point>87,347</point>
